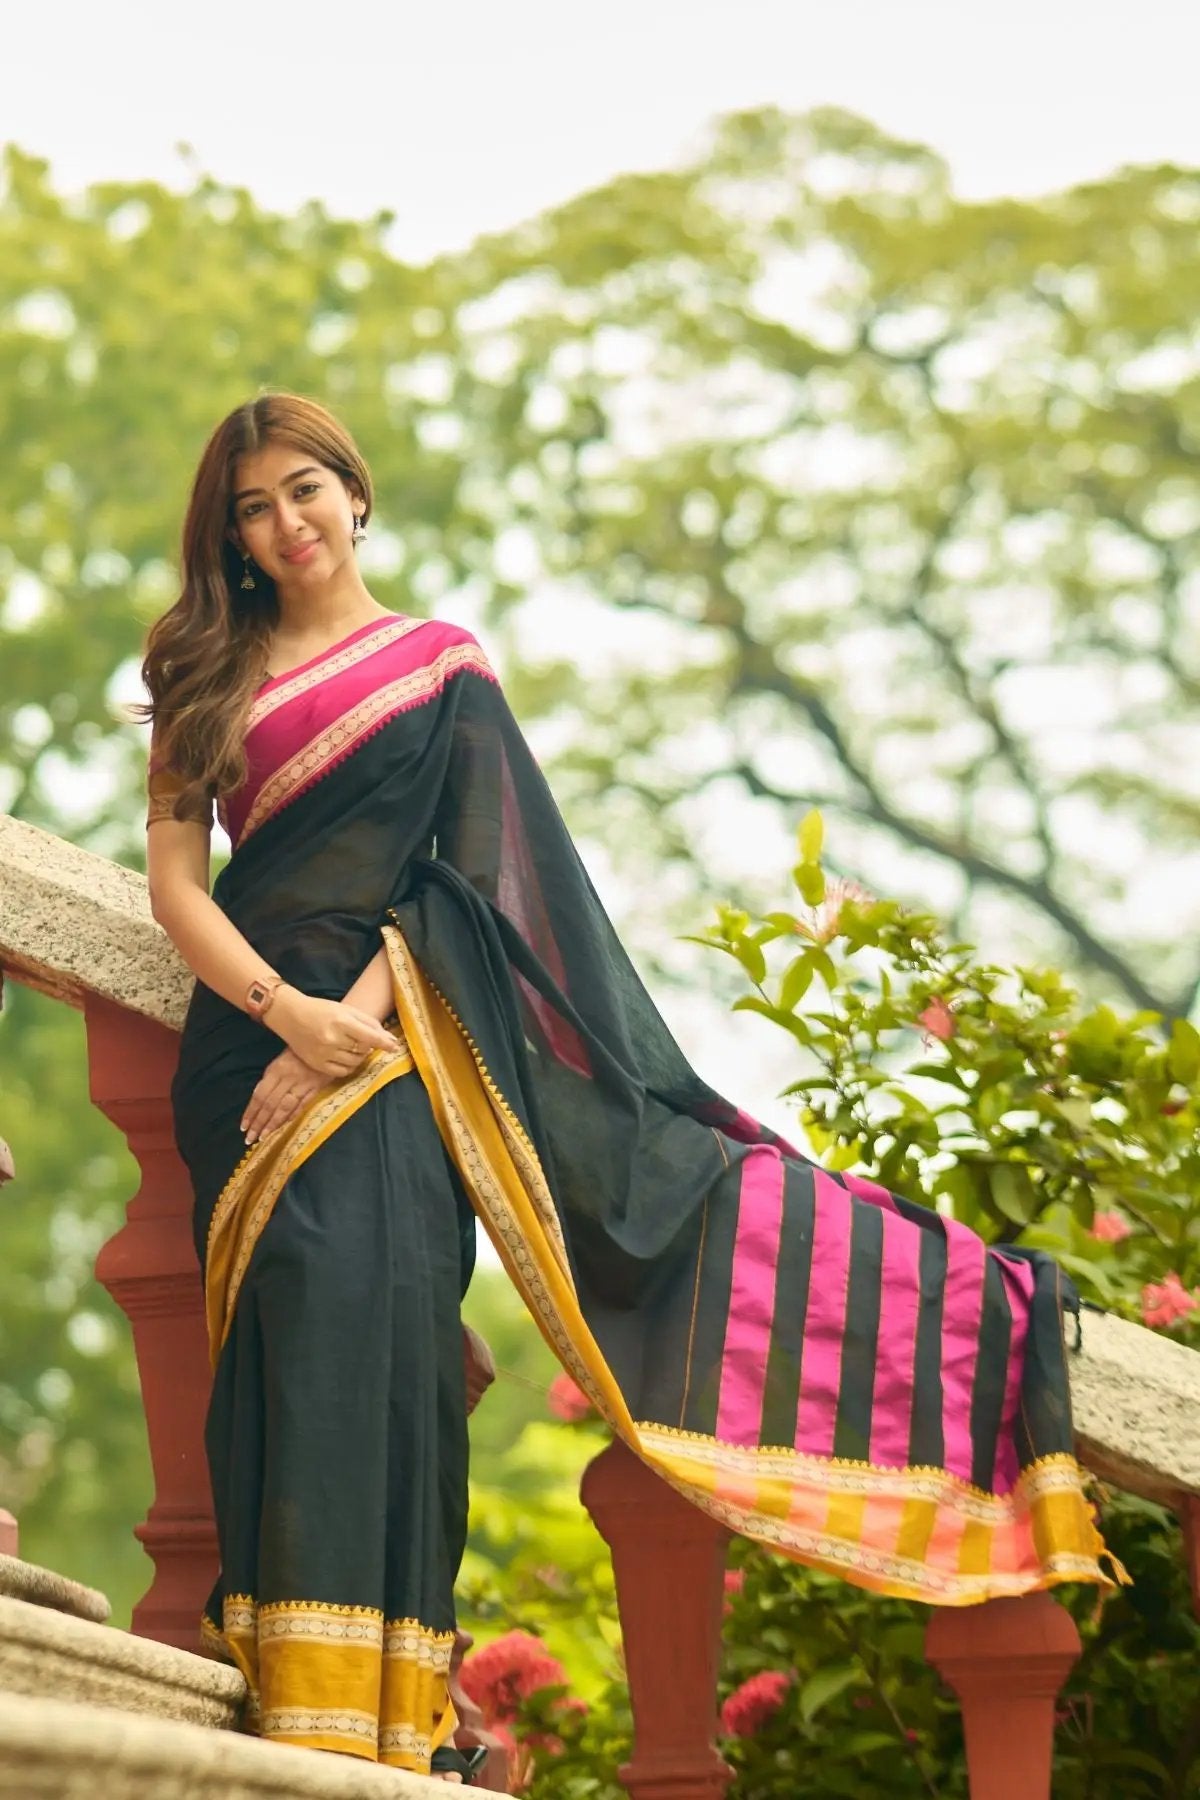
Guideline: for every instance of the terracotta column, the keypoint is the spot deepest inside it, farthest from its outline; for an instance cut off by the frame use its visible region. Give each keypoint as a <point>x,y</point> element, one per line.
<point>1006,1660</point>
<point>669,1560</point>
<point>150,1270</point>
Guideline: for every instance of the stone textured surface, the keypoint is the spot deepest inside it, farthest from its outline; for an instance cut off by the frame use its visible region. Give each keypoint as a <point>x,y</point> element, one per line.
<point>45,1653</point>
<point>1136,1400</point>
<point>51,1751</point>
<point>42,1587</point>
<point>72,922</point>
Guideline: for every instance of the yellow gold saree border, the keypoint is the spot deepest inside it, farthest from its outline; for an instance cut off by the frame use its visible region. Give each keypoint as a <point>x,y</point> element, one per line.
<point>768,1494</point>
<point>384,1682</point>
<point>248,1197</point>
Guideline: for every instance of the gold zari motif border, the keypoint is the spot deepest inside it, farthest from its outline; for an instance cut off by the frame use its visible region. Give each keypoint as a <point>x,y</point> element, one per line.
<point>290,687</point>
<point>383,1682</point>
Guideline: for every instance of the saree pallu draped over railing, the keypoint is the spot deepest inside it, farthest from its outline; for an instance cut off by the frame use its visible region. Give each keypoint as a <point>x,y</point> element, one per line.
<point>845,1376</point>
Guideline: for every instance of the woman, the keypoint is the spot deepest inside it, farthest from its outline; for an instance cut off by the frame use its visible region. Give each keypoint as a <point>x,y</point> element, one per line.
<point>410,1010</point>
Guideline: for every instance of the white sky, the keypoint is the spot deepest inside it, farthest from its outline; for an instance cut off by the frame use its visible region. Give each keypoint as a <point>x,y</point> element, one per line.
<point>465,115</point>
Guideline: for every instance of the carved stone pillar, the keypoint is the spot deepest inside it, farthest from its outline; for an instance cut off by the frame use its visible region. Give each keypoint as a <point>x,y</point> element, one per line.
<point>1006,1660</point>
<point>669,1560</point>
<point>150,1270</point>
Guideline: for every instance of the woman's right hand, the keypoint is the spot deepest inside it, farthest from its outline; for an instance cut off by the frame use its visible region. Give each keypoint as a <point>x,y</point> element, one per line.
<point>331,1037</point>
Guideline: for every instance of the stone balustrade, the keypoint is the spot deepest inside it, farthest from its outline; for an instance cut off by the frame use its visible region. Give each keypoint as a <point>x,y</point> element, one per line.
<point>79,928</point>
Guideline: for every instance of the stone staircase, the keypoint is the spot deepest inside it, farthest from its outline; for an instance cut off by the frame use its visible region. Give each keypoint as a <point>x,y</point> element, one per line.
<point>88,1712</point>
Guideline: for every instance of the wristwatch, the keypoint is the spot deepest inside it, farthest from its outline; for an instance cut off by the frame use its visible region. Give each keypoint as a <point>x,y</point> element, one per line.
<point>260,994</point>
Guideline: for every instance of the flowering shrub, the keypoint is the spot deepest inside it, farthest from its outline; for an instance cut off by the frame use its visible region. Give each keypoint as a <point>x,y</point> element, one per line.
<point>758,1699</point>
<point>993,1094</point>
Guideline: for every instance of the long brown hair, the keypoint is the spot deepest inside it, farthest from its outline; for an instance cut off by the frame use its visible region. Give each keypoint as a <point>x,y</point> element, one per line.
<point>207,655</point>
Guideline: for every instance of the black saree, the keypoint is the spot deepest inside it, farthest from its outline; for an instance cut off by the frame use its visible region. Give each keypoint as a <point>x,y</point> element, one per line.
<point>841,1374</point>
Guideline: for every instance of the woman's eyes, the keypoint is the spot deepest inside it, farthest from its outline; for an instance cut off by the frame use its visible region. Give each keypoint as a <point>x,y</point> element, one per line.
<point>306,487</point>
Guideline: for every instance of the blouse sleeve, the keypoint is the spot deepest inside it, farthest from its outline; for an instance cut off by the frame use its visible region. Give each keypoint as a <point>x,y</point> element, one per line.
<point>163,786</point>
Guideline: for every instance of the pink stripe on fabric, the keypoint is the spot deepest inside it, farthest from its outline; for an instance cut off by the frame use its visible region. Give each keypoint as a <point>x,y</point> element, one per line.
<point>862,1189</point>
<point>302,705</point>
<point>945,1540</point>
<point>962,1311</point>
<point>752,1297</point>
<point>899,1307</point>
<point>1019,1282</point>
<point>825,1320</point>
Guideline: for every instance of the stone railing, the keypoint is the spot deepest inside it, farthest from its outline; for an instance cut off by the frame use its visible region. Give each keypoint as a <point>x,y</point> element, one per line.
<point>79,928</point>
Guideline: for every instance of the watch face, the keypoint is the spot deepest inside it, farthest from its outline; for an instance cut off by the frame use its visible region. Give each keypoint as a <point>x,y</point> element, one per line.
<point>257,994</point>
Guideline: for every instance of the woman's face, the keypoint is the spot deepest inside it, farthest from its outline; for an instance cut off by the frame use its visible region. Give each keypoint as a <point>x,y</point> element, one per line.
<point>292,515</point>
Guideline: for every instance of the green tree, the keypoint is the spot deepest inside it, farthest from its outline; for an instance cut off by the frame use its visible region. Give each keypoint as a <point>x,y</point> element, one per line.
<point>854,492</point>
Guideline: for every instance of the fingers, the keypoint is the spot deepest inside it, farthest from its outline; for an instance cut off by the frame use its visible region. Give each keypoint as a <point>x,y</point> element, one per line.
<point>369,1033</point>
<point>284,1087</point>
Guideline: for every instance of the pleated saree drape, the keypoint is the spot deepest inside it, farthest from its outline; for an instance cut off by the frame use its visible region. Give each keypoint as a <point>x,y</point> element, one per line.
<point>844,1376</point>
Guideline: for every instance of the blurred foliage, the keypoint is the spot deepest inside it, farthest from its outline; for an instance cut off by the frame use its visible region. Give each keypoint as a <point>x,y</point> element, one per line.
<point>842,491</point>
<point>74,1465</point>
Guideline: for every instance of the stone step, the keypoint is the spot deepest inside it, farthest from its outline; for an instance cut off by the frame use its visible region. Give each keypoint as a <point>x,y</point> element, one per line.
<point>49,1655</point>
<point>51,1750</point>
<point>43,1587</point>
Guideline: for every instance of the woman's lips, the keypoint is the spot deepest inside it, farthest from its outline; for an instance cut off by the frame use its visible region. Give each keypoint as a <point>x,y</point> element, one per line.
<point>303,554</point>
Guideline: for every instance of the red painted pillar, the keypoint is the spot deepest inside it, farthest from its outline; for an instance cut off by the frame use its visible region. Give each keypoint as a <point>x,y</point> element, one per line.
<point>1006,1660</point>
<point>669,1559</point>
<point>150,1270</point>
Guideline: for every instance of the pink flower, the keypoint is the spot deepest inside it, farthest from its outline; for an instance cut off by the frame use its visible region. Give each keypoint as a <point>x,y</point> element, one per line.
<point>938,1020</point>
<point>1109,1228</point>
<point>820,923</point>
<point>506,1671</point>
<point>735,1581</point>
<point>750,1706</point>
<point>567,1399</point>
<point>1165,1301</point>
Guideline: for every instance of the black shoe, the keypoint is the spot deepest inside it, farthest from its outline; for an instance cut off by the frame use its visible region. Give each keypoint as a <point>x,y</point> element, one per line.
<point>446,1760</point>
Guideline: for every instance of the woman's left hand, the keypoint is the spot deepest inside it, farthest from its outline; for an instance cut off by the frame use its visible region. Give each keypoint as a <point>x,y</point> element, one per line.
<point>284,1087</point>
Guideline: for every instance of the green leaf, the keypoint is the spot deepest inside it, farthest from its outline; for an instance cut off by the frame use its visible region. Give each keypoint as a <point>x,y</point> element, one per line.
<point>751,957</point>
<point>811,883</point>
<point>811,837</point>
<point>797,978</point>
<point>825,1686</point>
<point>1183,1056</point>
<point>1013,1192</point>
